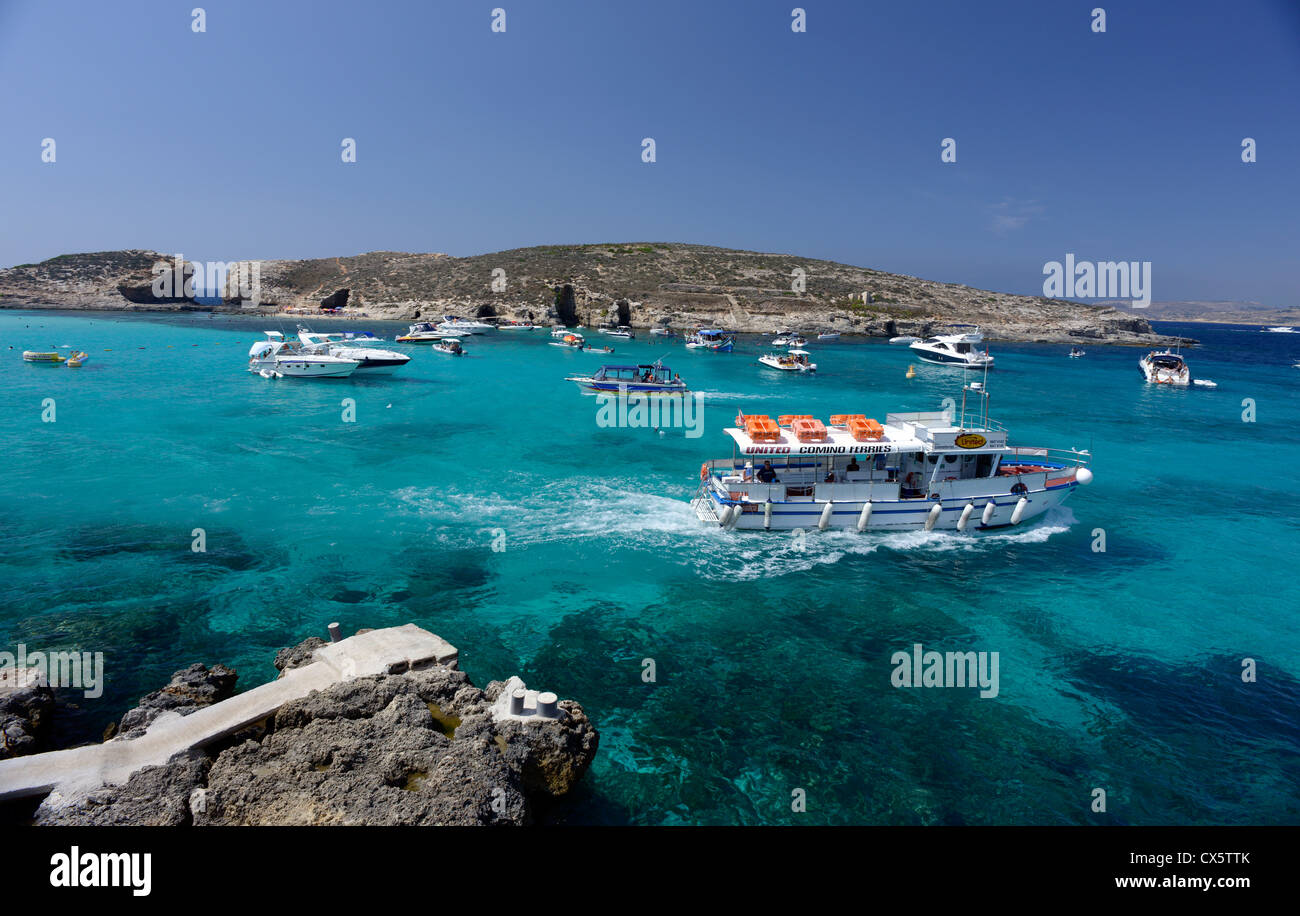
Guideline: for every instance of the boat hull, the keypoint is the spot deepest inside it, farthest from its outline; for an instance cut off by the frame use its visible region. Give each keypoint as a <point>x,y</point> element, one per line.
<point>886,515</point>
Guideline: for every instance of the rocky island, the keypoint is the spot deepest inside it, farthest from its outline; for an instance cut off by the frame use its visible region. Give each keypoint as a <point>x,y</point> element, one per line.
<point>636,284</point>
<point>416,744</point>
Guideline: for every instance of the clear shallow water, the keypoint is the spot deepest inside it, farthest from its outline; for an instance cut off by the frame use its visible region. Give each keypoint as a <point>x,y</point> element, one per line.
<point>1118,669</point>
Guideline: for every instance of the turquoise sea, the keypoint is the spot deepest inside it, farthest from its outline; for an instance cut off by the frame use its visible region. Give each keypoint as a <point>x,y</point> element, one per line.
<point>1120,669</point>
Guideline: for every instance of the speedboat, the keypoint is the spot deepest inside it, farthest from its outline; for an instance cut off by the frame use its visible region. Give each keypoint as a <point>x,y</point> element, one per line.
<point>51,358</point>
<point>788,340</point>
<point>276,357</point>
<point>655,378</point>
<point>1076,352</point>
<point>793,361</point>
<point>903,339</point>
<point>954,349</point>
<point>712,339</point>
<point>1167,368</point>
<point>622,331</point>
<point>1285,329</point>
<point>451,324</point>
<point>510,324</point>
<point>449,345</point>
<point>569,339</point>
<point>424,332</point>
<point>829,335</point>
<point>349,346</point>
<point>916,471</point>
<point>661,332</point>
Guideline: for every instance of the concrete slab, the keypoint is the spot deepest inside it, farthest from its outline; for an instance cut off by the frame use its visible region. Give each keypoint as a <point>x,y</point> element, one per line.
<point>77,770</point>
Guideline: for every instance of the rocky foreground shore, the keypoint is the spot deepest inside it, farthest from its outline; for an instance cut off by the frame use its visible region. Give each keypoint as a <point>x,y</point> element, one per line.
<point>641,285</point>
<point>423,747</point>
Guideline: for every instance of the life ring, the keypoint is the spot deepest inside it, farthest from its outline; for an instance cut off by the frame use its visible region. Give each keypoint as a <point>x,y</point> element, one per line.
<point>1019,488</point>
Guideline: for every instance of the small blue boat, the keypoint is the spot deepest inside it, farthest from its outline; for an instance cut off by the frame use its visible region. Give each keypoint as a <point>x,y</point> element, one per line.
<point>653,378</point>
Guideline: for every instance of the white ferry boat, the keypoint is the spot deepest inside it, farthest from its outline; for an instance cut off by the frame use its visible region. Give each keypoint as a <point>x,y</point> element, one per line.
<point>961,349</point>
<point>276,357</point>
<point>1167,368</point>
<point>653,378</point>
<point>792,361</point>
<point>351,346</point>
<point>916,471</point>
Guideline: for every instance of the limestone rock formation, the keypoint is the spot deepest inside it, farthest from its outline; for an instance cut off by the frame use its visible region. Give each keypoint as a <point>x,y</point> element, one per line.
<point>26,702</point>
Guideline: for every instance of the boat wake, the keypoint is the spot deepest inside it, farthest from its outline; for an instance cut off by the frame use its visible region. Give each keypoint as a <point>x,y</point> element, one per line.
<point>667,528</point>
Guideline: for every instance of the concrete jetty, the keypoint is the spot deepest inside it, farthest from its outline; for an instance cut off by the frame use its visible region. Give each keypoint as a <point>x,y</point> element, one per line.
<point>393,650</point>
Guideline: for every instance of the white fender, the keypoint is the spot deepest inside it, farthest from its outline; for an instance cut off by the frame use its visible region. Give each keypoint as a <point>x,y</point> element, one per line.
<point>825,521</point>
<point>965,516</point>
<point>767,515</point>
<point>1084,476</point>
<point>989,508</point>
<point>864,518</point>
<point>724,516</point>
<point>1019,511</point>
<point>933,517</point>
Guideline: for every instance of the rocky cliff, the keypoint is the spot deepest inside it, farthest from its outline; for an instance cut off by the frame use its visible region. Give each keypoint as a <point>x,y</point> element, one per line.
<point>423,747</point>
<point>641,285</point>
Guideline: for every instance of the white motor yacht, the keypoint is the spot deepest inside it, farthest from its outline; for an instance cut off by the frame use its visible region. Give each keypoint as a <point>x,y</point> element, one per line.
<point>350,346</point>
<point>276,357</point>
<point>451,324</point>
<point>961,349</point>
<point>793,361</point>
<point>1167,368</point>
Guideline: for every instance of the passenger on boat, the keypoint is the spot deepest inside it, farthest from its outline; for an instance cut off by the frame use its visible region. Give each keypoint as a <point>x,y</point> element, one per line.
<point>853,463</point>
<point>747,475</point>
<point>767,473</point>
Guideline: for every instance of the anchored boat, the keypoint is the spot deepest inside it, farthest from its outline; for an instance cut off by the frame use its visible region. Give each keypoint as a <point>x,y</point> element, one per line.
<point>718,341</point>
<point>914,471</point>
<point>655,378</point>
<point>454,325</point>
<point>1167,368</point>
<point>793,361</point>
<point>449,345</point>
<point>276,357</point>
<point>423,332</point>
<point>350,346</point>
<point>959,349</point>
<point>51,358</point>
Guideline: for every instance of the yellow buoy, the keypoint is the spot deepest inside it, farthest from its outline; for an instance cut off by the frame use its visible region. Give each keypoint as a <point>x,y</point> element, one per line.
<point>911,372</point>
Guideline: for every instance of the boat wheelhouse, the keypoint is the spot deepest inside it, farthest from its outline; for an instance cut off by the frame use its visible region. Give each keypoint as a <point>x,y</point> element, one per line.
<point>914,471</point>
<point>655,378</point>
<point>714,339</point>
<point>1167,368</point>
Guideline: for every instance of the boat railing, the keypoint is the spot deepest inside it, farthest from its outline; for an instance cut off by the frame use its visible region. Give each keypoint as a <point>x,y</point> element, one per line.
<point>1071,456</point>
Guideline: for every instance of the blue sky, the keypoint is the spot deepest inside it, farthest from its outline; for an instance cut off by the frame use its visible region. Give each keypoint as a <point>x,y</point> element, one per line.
<point>226,144</point>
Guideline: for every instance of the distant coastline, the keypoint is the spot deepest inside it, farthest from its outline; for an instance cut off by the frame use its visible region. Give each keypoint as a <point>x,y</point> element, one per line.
<point>641,285</point>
